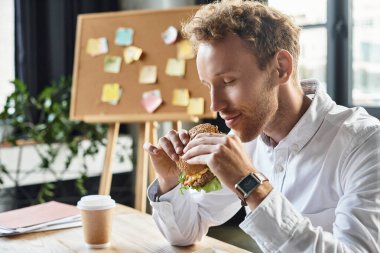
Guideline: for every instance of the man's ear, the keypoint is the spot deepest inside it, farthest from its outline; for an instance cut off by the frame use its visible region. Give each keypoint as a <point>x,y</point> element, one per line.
<point>284,65</point>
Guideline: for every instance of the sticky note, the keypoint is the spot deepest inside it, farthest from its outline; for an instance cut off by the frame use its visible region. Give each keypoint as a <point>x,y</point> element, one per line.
<point>111,93</point>
<point>124,36</point>
<point>132,54</point>
<point>169,36</point>
<point>185,50</point>
<point>175,67</point>
<point>196,106</point>
<point>181,97</point>
<point>97,46</point>
<point>112,64</point>
<point>148,74</point>
<point>151,100</point>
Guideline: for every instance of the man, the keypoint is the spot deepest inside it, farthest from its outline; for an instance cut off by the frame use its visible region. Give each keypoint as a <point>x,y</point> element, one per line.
<point>322,160</point>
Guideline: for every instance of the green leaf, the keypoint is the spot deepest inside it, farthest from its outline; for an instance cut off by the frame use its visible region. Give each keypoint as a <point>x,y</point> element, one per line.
<point>79,184</point>
<point>213,185</point>
<point>45,119</point>
<point>3,170</point>
<point>46,192</point>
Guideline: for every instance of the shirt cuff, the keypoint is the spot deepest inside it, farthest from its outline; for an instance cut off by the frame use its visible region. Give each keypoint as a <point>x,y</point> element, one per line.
<point>166,197</point>
<point>153,190</point>
<point>273,222</point>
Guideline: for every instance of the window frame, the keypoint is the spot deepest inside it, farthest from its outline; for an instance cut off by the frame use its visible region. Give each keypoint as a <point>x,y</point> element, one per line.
<point>339,53</point>
<point>339,71</point>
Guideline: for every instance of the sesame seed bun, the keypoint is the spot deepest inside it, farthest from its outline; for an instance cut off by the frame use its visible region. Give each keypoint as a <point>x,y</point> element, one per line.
<point>194,169</point>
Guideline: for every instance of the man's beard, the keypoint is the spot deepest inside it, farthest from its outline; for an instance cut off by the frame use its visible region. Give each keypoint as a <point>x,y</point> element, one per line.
<point>257,116</point>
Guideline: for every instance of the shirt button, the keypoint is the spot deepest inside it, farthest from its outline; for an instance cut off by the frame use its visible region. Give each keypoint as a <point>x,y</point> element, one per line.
<point>295,148</point>
<point>279,168</point>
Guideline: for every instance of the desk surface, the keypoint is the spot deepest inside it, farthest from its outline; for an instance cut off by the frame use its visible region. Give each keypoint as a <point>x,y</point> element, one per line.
<point>133,231</point>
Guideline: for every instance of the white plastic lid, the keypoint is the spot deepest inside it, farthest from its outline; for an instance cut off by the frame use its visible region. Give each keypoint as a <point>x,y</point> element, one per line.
<point>96,202</point>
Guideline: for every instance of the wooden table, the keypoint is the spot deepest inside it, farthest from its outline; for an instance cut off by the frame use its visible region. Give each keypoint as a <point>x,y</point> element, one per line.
<point>133,231</point>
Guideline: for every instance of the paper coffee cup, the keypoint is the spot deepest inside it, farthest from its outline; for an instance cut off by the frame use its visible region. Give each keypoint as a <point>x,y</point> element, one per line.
<point>96,213</point>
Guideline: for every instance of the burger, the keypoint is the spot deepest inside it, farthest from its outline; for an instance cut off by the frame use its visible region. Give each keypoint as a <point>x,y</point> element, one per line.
<point>198,176</point>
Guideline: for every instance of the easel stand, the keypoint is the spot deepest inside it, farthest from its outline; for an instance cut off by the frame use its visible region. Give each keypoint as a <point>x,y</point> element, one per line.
<point>106,179</point>
<point>86,104</point>
<point>148,132</point>
<point>145,174</point>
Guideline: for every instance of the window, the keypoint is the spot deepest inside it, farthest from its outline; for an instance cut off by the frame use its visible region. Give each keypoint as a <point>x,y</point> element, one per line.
<point>365,53</point>
<point>340,47</point>
<point>7,49</point>
<point>312,17</point>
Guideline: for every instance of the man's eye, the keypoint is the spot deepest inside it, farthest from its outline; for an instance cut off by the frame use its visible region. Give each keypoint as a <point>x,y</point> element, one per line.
<point>228,81</point>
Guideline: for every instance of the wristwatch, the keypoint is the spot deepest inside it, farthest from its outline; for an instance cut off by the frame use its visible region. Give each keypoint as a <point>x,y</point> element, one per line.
<point>248,184</point>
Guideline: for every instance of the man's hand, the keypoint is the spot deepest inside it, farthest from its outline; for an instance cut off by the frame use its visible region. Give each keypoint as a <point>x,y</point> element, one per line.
<point>164,155</point>
<point>226,157</point>
<point>223,154</point>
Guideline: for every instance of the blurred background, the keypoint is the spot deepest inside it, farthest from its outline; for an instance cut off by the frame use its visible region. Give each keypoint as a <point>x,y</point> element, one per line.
<point>340,46</point>
<point>339,42</point>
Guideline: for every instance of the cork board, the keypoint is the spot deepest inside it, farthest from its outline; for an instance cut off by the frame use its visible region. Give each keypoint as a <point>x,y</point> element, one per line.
<point>89,75</point>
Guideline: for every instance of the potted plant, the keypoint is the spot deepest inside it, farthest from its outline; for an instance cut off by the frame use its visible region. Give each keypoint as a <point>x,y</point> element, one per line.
<point>45,119</point>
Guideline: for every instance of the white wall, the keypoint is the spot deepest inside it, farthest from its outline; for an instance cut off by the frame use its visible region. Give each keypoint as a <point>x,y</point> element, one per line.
<point>7,62</point>
<point>22,163</point>
<point>153,4</point>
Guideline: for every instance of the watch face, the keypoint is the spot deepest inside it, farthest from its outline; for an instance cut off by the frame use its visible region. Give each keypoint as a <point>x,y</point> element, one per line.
<point>248,184</point>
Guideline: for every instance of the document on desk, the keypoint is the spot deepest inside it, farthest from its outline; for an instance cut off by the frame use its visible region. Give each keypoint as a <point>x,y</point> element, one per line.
<point>46,216</point>
<point>210,250</point>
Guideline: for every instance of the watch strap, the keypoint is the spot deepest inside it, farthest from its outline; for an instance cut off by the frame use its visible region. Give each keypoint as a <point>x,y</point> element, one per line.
<point>261,179</point>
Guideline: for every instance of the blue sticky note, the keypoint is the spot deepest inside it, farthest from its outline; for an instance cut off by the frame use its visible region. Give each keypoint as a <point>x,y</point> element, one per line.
<point>124,36</point>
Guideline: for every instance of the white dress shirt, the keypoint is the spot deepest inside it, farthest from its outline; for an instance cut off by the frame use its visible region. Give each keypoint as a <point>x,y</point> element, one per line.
<point>326,180</point>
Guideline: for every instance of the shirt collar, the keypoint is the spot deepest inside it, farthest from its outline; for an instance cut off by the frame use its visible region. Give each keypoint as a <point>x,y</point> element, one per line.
<point>309,123</point>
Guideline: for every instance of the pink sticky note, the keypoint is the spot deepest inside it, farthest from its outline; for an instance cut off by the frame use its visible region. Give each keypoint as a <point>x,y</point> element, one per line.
<point>151,100</point>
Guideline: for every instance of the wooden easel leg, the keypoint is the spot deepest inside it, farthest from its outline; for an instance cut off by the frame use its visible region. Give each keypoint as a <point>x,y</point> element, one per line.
<point>177,125</point>
<point>106,178</point>
<point>153,139</point>
<point>142,167</point>
<point>148,132</point>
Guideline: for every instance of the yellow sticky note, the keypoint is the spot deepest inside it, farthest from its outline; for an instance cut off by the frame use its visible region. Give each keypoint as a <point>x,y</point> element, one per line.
<point>175,67</point>
<point>185,50</point>
<point>148,74</point>
<point>132,54</point>
<point>97,46</point>
<point>181,97</point>
<point>111,93</point>
<point>92,46</point>
<point>196,106</point>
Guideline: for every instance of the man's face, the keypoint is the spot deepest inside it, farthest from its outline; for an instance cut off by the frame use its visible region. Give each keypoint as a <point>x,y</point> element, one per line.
<point>244,96</point>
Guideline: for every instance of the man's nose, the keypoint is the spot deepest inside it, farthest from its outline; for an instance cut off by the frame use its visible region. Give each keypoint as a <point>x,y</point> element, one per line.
<point>218,100</point>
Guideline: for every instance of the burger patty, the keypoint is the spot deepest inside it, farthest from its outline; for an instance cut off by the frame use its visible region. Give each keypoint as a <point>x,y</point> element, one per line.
<point>206,177</point>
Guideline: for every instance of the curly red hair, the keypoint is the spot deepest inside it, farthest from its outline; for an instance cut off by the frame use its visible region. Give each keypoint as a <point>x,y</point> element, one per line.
<point>264,29</point>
